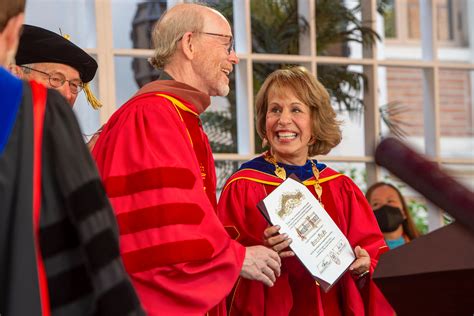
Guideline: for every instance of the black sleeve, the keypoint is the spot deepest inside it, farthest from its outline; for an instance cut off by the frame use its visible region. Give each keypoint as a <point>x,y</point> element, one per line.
<point>18,274</point>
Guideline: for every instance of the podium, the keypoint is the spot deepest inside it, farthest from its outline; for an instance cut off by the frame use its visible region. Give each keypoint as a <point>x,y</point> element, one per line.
<point>432,275</point>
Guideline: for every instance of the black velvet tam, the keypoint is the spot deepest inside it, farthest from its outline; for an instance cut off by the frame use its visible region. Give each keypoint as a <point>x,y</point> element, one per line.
<point>38,45</point>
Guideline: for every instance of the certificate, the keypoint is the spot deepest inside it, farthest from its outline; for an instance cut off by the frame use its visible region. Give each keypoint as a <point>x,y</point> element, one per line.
<point>317,241</point>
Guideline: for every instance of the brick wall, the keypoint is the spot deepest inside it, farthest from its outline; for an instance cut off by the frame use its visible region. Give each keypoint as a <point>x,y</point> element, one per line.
<point>404,85</point>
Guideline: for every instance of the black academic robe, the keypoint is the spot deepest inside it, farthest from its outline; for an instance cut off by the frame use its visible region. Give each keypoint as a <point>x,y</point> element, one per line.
<point>77,234</point>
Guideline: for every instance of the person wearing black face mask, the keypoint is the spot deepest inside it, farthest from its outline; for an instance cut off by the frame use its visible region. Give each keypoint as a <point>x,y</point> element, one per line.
<point>389,218</point>
<point>392,214</point>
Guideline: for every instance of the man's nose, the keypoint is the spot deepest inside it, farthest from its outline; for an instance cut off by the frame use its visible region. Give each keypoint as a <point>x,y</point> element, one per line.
<point>65,90</point>
<point>233,57</point>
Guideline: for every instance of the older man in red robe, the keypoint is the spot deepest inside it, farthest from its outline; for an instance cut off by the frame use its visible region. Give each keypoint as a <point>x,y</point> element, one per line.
<point>159,173</point>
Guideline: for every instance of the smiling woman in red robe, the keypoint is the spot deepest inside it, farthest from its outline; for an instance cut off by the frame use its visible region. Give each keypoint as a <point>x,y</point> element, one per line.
<point>296,120</point>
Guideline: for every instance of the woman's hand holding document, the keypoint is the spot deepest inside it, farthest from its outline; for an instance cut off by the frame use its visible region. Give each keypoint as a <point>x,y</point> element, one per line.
<point>316,240</point>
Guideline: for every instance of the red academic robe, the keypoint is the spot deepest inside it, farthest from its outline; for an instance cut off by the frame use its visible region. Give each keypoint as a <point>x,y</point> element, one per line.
<point>158,170</point>
<point>295,292</point>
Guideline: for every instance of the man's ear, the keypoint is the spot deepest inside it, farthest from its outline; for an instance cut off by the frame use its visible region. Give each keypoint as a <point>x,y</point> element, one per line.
<point>16,70</point>
<point>13,31</point>
<point>187,45</point>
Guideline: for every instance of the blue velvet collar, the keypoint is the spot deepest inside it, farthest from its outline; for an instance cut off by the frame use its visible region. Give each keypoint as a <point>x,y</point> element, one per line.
<point>302,172</point>
<point>11,90</point>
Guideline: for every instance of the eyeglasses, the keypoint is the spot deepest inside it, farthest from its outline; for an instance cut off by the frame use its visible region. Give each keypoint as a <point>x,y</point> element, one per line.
<point>230,46</point>
<point>57,80</point>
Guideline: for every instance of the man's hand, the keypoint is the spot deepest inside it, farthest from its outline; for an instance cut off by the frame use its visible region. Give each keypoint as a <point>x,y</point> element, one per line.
<point>261,264</point>
<point>277,242</point>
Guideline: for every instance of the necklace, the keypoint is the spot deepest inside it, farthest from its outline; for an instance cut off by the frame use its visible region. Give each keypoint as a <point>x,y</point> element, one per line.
<point>281,173</point>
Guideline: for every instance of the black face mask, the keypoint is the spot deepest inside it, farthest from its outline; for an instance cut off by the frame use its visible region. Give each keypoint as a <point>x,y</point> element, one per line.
<point>389,218</point>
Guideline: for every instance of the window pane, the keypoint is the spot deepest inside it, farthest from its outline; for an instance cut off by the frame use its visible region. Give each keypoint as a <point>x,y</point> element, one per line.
<point>389,18</point>
<point>456,119</point>
<point>354,170</point>
<point>454,30</point>
<point>339,30</point>
<point>345,84</point>
<point>125,79</point>
<point>224,169</point>
<point>133,21</point>
<point>401,104</point>
<point>276,26</point>
<point>413,19</point>
<point>75,18</point>
<point>445,20</point>
<point>220,121</point>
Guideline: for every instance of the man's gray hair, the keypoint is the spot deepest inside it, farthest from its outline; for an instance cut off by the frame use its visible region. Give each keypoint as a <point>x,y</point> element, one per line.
<point>171,27</point>
<point>27,70</point>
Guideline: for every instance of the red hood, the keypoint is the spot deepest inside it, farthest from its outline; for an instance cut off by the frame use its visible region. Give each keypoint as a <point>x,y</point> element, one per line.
<point>181,90</point>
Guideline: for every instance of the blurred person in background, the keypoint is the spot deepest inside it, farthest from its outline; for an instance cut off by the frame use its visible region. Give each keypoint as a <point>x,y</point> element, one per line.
<point>392,214</point>
<point>57,63</point>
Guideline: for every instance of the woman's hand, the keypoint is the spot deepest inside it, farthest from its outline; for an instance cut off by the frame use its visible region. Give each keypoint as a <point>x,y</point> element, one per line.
<point>278,242</point>
<point>361,266</point>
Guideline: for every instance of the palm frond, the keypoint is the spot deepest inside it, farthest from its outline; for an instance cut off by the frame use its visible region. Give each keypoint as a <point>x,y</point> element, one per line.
<point>390,115</point>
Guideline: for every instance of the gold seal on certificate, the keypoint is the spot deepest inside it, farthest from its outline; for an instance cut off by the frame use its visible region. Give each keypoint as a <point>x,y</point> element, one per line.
<point>317,241</point>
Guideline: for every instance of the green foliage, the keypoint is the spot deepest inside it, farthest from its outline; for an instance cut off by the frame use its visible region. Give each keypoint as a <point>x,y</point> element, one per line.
<point>338,24</point>
<point>419,213</point>
<point>276,26</point>
<point>387,9</point>
<point>336,27</point>
<point>219,127</point>
<point>358,174</point>
<point>343,85</point>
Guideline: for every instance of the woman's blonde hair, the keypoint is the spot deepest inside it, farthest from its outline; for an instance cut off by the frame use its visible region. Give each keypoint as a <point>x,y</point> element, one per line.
<point>325,130</point>
<point>171,27</point>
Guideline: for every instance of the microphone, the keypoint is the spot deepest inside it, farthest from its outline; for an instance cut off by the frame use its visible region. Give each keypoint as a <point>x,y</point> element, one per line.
<point>427,178</point>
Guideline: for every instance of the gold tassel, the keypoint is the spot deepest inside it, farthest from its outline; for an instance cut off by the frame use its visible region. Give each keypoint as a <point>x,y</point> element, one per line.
<point>93,101</point>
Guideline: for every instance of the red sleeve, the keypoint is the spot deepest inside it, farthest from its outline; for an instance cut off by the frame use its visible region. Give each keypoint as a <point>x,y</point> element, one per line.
<point>238,212</point>
<point>180,258</point>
